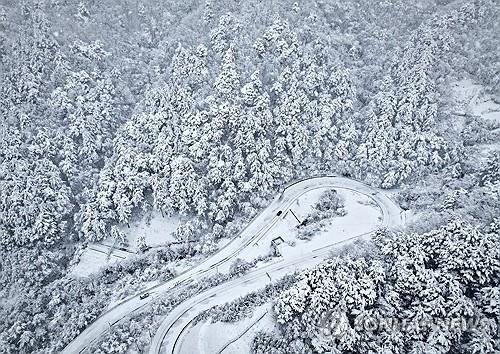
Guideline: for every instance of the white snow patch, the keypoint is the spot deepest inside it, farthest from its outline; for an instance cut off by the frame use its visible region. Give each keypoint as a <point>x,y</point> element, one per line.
<point>471,98</point>
<point>244,343</point>
<point>465,91</point>
<point>90,262</point>
<point>156,229</point>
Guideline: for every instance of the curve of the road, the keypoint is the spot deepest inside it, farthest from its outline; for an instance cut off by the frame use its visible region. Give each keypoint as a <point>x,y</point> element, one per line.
<point>169,337</point>
<point>251,234</point>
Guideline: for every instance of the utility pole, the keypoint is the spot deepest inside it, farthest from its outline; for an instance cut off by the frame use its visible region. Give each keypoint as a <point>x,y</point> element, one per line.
<point>295,216</point>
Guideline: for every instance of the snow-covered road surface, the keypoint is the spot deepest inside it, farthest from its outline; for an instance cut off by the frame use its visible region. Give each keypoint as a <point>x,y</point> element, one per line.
<point>171,334</point>
<point>254,231</point>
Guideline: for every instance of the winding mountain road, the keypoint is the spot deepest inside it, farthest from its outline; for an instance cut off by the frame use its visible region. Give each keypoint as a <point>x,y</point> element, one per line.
<point>172,328</point>
<point>170,337</point>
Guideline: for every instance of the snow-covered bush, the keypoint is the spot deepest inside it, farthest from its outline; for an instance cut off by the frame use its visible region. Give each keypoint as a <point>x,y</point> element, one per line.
<point>243,306</point>
<point>239,266</point>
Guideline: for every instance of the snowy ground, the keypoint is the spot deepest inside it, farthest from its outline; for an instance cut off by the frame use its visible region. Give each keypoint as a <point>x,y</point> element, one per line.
<point>157,230</point>
<point>472,99</point>
<point>95,256</point>
<point>229,337</point>
<point>342,227</point>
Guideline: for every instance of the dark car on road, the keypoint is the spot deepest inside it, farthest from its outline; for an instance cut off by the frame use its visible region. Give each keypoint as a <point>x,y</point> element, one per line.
<point>279,213</point>
<point>143,296</point>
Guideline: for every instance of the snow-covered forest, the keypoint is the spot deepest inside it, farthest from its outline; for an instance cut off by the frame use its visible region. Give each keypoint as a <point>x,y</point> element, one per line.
<point>196,115</point>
